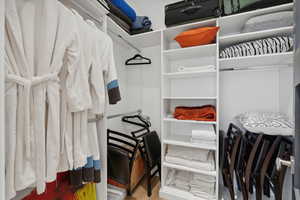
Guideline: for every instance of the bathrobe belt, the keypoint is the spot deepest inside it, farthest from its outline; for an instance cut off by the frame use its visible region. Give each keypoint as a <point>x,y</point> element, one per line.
<point>29,84</point>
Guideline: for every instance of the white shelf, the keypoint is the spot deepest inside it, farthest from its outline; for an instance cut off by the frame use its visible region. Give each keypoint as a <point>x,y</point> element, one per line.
<point>169,119</point>
<point>189,169</point>
<point>255,61</point>
<point>190,98</point>
<point>188,74</point>
<point>185,141</point>
<point>142,40</point>
<point>191,52</point>
<point>176,194</point>
<point>241,37</point>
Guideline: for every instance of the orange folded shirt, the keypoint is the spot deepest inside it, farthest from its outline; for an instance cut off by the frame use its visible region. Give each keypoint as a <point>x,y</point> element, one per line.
<point>203,113</point>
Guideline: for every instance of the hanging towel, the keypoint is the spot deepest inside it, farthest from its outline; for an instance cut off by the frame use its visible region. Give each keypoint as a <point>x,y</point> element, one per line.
<point>127,10</point>
<point>203,113</point>
<point>141,22</point>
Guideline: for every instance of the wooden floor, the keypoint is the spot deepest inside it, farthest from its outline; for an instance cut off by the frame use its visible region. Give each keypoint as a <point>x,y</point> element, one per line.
<point>141,192</point>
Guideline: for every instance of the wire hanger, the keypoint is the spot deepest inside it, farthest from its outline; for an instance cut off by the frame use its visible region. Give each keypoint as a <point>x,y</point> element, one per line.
<point>138,59</point>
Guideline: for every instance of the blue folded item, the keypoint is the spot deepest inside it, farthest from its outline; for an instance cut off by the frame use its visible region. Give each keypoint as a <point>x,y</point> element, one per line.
<point>127,10</point>
<point>141,22</point>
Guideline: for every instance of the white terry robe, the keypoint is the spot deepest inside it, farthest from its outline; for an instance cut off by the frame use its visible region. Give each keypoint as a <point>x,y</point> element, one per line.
<point>40,38</point>
<point>104,65</point>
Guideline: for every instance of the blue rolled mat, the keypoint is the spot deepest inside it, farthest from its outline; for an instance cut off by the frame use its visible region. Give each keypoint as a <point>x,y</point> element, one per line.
<point>127,10</point>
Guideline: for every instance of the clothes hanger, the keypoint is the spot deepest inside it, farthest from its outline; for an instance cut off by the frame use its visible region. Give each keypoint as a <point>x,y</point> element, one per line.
<point>138,59</point>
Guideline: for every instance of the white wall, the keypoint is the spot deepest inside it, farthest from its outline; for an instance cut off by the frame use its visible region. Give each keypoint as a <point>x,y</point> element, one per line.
<point>140,85</point>
<point>2,117</point>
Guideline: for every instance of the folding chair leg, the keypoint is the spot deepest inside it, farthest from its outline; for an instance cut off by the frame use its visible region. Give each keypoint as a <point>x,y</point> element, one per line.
<point>149,186</point>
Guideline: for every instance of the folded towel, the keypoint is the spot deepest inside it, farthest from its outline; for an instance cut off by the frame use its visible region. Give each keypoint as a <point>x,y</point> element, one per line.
<point>203,178</point>
<point>127,10</point>
<point>141,22</point>
<point>207,68</point>
<point>202,113</point>
<point>203,142</point>
<point>205,132</point>
<point>205,166</point>
<point>188,153</point>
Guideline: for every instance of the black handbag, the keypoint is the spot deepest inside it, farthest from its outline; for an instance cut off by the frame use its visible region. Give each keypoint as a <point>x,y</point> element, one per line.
<point>238,6</point>
<point>191,10</point>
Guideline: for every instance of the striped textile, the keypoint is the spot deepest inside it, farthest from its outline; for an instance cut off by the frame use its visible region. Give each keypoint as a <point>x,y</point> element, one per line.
<point>270,45</point>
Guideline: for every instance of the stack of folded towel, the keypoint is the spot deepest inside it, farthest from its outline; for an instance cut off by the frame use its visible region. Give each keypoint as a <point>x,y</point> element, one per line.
<point>198,184</point>
<point>194,158</point>
<point>203,186</point>
<point>125,16</point>
<point>204,135</point>
<point>179,179</point>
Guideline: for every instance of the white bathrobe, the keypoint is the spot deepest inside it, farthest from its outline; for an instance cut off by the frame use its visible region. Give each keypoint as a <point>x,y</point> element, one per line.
<point>41,37</point>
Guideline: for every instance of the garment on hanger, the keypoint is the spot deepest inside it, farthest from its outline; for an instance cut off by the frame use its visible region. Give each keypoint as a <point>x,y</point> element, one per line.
<point>59,71</point>
<point>36,50</point>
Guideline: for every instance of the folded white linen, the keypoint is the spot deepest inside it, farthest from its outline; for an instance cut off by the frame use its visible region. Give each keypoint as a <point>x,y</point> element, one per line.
<point>198,69</point>
<point>203,178</point>
<point>203,142</point>
<point>208,188</point>
<point>202,195</point>
<point>206,132</point>
<point>188,153</point>
<point>209,165</point>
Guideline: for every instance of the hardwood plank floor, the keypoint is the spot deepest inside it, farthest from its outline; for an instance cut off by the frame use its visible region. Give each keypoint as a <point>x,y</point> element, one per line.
<point>141,192</point>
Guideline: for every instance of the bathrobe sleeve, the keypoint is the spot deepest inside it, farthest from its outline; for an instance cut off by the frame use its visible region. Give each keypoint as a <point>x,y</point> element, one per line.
<point>110,73</point>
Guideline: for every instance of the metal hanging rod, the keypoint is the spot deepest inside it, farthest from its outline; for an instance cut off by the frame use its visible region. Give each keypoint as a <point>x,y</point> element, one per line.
<point>100,117</point>
<point>128,43</point>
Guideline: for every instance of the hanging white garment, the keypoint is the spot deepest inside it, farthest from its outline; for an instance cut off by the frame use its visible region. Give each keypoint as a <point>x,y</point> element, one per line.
<point>40,38</point>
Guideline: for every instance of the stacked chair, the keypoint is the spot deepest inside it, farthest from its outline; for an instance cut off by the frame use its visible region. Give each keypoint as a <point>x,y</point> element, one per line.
<point>251,159</point>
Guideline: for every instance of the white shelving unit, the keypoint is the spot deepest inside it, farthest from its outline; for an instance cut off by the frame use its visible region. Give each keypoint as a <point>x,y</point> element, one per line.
<point>197,88</point>
<point>173,56</point>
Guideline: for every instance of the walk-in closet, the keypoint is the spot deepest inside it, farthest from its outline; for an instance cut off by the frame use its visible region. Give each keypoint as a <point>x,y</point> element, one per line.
<point>139,99</point>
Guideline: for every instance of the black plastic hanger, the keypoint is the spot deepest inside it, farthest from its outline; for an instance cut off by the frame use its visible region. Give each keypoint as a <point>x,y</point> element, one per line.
<point>138,60</point>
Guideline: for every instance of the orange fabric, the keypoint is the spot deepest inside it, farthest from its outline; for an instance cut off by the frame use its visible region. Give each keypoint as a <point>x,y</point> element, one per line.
<point>115,183</point>
<point>203,113</point>
<point>198,36</point>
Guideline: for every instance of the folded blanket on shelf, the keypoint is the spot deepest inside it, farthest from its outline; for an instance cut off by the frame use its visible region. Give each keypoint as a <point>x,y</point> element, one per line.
<point>201,186</point>
<point>202,113</point>
<point>203,177</point>
<point>204,142</point>
<point>141,22</point>
<point>209,165</point>
<point>179,179</point>
<point>125,8</point>
<point>197,69</point>
<point>279,44</point>
<point>188,153</point>
<point>205,132</point>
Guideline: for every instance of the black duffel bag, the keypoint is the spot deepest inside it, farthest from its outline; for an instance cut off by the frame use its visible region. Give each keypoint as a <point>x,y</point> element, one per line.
<point>191,10</point>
